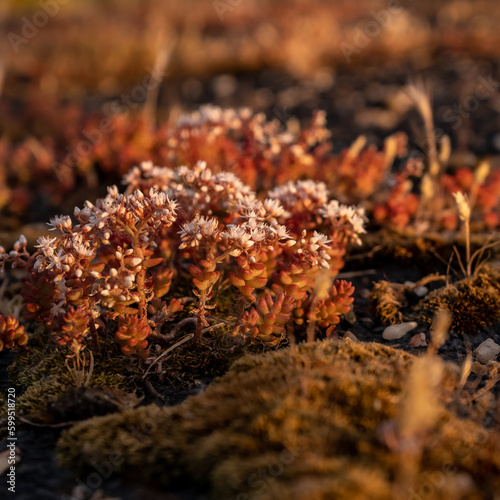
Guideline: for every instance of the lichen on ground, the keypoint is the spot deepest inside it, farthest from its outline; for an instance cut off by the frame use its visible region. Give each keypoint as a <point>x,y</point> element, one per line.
<point>331,419</point>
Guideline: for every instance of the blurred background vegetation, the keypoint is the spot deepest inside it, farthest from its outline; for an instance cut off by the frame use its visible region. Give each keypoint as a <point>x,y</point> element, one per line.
<point>284,58</point>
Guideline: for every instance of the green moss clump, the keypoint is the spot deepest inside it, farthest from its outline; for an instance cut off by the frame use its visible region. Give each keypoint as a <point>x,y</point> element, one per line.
<point>37,364</point>
<point>34,400</point>
<point>40,402</point>
<point>46,360</point>
<point>312,421</point>
<point>474,303</point>
<point>43,378</point>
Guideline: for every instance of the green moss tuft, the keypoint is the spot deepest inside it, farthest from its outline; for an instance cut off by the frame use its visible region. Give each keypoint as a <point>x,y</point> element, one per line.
<point>48,361</point>
<point>35,399</point>
<point>37,364</point>
<point>188,365</point>
<point>44,381</point>
<point>304,422</point>
<point>474,303</point>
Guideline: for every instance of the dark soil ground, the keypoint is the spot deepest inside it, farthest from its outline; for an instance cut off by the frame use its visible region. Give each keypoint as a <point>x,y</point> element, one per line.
<point>39,477</point>
<point>359,99</point>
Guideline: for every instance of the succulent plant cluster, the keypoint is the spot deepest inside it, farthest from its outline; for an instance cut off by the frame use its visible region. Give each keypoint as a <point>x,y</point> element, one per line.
<point>113,265</point>
<point>11,333</point>
<point>37,174</point>
<point>389,182</point>
<point>403,202</point>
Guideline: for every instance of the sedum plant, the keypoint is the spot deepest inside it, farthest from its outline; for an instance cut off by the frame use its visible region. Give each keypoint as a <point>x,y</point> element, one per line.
<point>112,267</point>
<point>11,333</point>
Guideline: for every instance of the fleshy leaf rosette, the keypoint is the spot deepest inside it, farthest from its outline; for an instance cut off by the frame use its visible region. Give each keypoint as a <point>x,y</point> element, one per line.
<point>132,335</point>
<point>267,321</point>
<point>327,311</point>
<point>11,333</point>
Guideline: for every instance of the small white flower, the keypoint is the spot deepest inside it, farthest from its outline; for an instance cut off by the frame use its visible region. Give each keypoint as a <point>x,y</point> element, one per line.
<point>45,242</point>
<point>82,247</point>
<point>201,227</point>
<point>61,222</point>
<point>113,192</point>
<point>21,243</point>
<point>55,260</point>
<point>128,281</point>
<point>58,309</point>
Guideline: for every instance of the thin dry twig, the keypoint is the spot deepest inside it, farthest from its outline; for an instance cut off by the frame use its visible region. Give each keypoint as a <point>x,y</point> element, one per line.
<point>53,426</point>
<point>170,349</point>
<point>355,274</point>
<point>175,330</point>
<point>153,391</point>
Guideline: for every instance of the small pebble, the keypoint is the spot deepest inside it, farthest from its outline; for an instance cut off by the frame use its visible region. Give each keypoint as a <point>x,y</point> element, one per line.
<point>421,291</point>
<point>418,340</point>
<point>350,317</point>
<point>487,351</point>
<point>349,335</point>
<point>394,332</point>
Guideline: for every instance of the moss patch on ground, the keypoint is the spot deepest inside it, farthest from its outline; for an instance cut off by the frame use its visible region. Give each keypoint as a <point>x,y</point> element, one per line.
<point>332,419</point>
<point>474,303</point>
<point>45,384</point>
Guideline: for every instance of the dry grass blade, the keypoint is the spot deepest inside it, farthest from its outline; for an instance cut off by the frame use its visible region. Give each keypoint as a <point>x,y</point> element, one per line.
<point>465,371</point>
<point>170,349</point>
<point>494,378</point>
<point>480,252</point>
<point>462,268</point>
<point>421,95</point>
<point>439,331</point>
<point>356,147</point>
<point>420,410</point>
<point>80,376</point>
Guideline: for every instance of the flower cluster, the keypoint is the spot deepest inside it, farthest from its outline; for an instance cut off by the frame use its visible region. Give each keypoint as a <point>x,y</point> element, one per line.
<point>114,263</point>
<point>268,248</point>
<point>99,268</point>
<point>17,257</point>
<point>263,155</point>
